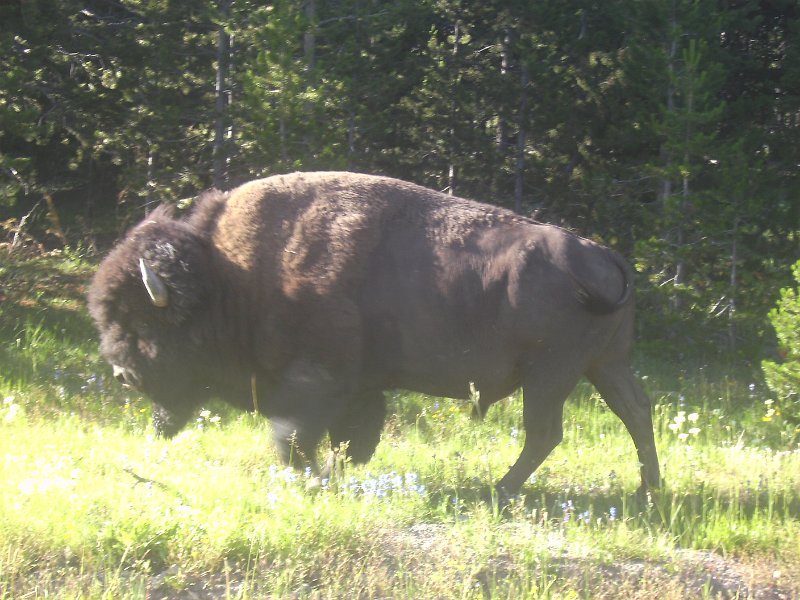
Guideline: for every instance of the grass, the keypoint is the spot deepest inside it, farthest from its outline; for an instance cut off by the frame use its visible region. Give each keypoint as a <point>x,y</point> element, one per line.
<point>92,506</point>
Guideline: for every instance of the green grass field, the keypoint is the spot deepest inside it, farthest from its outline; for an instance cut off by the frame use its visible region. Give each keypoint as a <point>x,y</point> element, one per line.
<point>93,506</point>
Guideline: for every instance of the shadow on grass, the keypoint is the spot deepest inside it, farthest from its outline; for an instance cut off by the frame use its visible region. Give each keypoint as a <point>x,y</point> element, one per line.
<point>44,326</point>
<point>671,511</point>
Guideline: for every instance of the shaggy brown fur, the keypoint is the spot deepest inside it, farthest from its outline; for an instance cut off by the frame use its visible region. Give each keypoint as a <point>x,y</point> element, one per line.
<point>328,288</point>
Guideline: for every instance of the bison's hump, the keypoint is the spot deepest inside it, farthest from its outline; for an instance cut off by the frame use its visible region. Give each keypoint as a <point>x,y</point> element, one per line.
<point>316,230</point>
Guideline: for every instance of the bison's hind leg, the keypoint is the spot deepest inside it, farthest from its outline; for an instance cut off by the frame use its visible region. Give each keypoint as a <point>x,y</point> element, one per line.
<point>625,396</point>
<point>545,389</point>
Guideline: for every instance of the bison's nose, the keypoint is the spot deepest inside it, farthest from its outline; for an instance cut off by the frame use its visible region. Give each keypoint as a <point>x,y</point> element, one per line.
<point>125,377</point>
<point>119,373</point>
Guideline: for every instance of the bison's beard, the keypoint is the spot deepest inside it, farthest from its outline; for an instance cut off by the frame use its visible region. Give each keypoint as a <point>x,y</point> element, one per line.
<point>167,423</point>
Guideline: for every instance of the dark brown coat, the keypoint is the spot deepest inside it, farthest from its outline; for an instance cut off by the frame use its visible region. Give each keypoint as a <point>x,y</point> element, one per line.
<point>321,290</point>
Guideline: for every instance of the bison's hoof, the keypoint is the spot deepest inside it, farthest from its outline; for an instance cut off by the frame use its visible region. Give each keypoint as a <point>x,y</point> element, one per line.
<point>313,484</point>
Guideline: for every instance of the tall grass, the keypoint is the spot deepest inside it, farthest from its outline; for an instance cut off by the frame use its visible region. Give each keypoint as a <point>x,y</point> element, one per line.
<point>93,506</point>
<point>84,503</point>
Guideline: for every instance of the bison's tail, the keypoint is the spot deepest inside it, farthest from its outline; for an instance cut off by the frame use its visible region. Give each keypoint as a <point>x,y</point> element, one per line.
<point>597,302</point>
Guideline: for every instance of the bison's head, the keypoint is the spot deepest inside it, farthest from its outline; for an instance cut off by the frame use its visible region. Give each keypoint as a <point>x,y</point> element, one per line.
<point>148,300</point>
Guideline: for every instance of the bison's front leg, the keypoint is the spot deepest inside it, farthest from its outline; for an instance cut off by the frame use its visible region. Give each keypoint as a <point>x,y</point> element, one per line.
<point>302,408</point>
<point>360,426</point>
<point>316,387</point>
<point>296,440</point>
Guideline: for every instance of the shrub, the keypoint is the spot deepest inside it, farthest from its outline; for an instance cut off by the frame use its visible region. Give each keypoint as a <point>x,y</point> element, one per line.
<point>783,377</point>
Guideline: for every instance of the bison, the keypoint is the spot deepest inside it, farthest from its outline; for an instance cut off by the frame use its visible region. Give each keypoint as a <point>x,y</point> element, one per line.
<point>306,296</point>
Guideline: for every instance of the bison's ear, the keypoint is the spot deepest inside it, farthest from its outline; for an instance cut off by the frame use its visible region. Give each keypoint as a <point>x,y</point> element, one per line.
<point>154,285</point>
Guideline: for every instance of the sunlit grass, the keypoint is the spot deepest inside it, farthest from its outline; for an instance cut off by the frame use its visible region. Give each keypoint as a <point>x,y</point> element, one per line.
<point>93,506</point>
<point>78,497</point>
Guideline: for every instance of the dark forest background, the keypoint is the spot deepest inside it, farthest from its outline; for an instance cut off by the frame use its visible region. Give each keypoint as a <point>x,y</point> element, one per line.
<point>668,129</point>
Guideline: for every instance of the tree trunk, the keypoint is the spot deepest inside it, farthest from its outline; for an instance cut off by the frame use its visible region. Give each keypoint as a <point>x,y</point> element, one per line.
<point>451,167</point>
<point>733,284</point>
<point>519,167</point>
<point>151,183</point>
<point>220,162</point>
<point>351,135</point>
<point>680,267</point>
<point>502,126</point>
<point>309,37</point>
<point>666,183</point>
<point>310,55</point>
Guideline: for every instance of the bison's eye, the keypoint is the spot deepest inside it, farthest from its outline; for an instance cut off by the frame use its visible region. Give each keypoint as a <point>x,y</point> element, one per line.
<point>142,328</point>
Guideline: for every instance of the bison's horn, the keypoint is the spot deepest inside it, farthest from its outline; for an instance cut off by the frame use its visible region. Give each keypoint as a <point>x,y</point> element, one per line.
<point>154,286</point>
